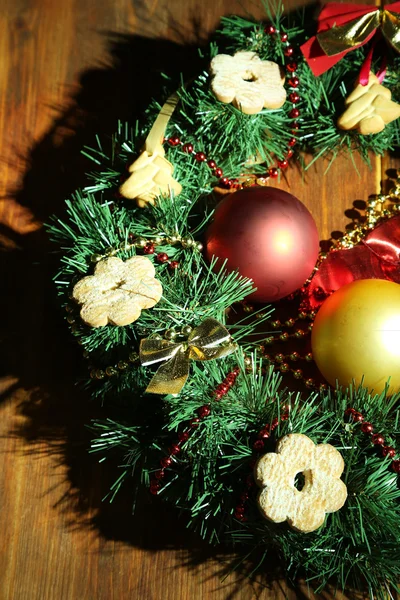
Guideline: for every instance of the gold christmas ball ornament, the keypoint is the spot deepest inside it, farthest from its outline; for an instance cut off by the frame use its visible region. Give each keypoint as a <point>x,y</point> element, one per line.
<point>356,335</point>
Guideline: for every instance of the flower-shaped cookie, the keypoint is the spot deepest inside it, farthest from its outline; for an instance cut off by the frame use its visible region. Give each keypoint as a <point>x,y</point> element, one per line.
<point>117,291</point>
<point>250,83</point>
<point>323,490</point>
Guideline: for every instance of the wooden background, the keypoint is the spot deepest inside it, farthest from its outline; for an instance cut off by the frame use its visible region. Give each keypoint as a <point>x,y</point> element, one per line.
<point>69,69</point>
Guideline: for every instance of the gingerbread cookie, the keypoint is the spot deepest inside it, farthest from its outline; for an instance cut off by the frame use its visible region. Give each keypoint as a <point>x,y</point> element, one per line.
<point>323,490</point>
<point>247,82</point>
<point>151,175</point>
<point>369,108</point>
<point>117,291</point>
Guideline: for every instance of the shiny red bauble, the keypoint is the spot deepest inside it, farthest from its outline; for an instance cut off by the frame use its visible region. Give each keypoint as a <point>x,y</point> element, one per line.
<point>267,235</point>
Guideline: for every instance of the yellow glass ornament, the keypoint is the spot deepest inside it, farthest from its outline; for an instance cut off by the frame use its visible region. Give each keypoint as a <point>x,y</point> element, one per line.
<point>356,335</point>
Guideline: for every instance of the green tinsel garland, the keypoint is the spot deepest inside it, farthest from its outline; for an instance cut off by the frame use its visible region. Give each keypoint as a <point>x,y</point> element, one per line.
<point>359,546</point>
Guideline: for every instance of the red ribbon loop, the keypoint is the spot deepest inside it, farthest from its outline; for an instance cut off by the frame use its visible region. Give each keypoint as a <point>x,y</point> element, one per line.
<point>333,15</point>
<point>377,257</point>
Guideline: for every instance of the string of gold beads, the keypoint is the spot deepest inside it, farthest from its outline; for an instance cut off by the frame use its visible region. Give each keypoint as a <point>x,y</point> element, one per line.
<point>143,243</point>
<point>112,370</point>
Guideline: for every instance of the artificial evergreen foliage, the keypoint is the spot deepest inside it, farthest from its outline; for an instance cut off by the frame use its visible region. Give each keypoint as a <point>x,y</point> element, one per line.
<point>359,546</point>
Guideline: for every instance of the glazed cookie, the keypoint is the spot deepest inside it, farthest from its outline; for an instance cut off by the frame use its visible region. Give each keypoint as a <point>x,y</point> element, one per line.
<point>247,82</point>
<point>117,291</point>
<point>323,490</point>
<point>150,176</point>
<point>369,108</point>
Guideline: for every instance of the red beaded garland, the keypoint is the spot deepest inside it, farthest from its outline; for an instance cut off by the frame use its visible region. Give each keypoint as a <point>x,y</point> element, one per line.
<point>258,445</point>
<point>174,141</point>
<point>388,451</point>
<point>204,411</point>
<point>173,264</point>
<point>294,98</point>
<point>294,82</point>
<point>149,249</point>
<point>367,427</point>
<point>162,257</point>
<point>273,173</point>
<point>183,436</point>
<point>396,466</point>
<point>377,439</point>
<point>188,148</point>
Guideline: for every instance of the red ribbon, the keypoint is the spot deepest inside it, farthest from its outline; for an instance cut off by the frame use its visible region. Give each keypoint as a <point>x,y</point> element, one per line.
<point>376,257</point>
<point>335,14</point>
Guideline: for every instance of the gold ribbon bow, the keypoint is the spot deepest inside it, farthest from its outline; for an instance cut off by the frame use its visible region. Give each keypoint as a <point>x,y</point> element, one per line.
<point>343,37</point>
<point>208,341</point>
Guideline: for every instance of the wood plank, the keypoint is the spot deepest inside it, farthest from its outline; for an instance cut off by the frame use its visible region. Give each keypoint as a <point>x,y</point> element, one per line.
<point>68,70</point>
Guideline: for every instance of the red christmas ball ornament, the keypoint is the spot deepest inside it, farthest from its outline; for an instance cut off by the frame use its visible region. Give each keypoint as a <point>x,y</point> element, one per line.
<point>267,235</point>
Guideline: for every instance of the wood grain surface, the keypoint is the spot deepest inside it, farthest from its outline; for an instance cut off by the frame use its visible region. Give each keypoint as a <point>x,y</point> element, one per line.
<point>67,70</point>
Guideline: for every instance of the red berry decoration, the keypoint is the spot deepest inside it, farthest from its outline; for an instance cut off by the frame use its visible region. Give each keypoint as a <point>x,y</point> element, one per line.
<point>294,82</point>
<point>212,164</point>
<point>162,257</point>
<point>149,249</point>
<point>396,466</point>
<point>284,37</point>
<point>183,436</point>
<point>200,156</point>
<point>175,449</point>
<point>173,264</point>
<point>258,445</point>
<point>270,30</point>
<point>288,51</point>
<point>264,434</point>
<point>273,173</point>
<point>291,67</point>
<point>204,411</point>
<point>377,439</point>
<point>166,462</point>
<point>159,474</point>
<point>218,172</point>
<point>188,148</point>
<point>294,113</point>
<point>154,488</point>
<point>294,97</point>
<point>388,451</point>
<point>367,427</point>
<point>283,164</point>
<point>174,141</point>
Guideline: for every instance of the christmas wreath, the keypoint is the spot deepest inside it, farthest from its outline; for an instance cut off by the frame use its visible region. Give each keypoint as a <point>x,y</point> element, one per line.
<point>159,282</point>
